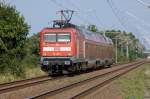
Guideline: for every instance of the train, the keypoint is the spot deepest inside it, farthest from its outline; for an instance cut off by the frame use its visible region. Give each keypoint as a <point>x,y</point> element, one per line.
<point>71,49</point>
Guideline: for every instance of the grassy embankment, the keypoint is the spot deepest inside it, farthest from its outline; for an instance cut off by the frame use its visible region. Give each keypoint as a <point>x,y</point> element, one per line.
<point>133,84</point>
<point>29,73</point>
<point>30,68</point>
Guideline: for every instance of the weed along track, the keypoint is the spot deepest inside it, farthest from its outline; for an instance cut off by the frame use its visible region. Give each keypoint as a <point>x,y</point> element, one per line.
<point>83,88</point>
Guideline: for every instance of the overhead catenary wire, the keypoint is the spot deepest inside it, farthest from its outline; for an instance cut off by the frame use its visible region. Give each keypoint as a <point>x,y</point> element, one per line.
<point>93,11</point>
<point>83,19</point>
<point>114,9</point>
<point>140,29</point>
<point>129,14</point>
<point>59,4</point>
<point>137,18</point>
<point>145,37</point>
<point>81,11</point>
<point>102,26</point>
<point>98,19</point>
<point>143,3</point>
<point>64,7</point>
<point>75,6</point>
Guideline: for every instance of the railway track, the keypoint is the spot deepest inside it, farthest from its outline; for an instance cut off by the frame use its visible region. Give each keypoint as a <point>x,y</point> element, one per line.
<point>82,88</point>
<point>12,86</point>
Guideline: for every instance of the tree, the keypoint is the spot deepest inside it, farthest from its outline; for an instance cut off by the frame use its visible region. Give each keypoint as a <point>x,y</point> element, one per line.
<point>92,28</point>
<point>33,51</point>
<point>13,34</point>
<point>32,44</point>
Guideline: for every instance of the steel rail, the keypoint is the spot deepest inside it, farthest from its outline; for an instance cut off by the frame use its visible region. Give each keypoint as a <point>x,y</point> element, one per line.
<point>12,86</point>
<point>100,85</point>
<point>70,86</point>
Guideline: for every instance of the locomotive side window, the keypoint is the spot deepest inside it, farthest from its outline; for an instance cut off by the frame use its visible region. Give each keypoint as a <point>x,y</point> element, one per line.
<point>63,37</point>
<point>50,37</point>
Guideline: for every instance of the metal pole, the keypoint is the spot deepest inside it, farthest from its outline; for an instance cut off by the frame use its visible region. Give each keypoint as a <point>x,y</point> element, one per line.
<point>121,48</point>
<point>104,33</point>
<point>116,50</point>
<point>127,50</point>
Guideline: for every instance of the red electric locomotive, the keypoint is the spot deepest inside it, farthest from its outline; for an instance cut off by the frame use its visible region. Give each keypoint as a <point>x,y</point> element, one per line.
<point>71,48</point>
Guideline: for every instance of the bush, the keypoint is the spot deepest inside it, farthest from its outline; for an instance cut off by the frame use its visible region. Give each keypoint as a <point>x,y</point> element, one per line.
<point>11,66</point>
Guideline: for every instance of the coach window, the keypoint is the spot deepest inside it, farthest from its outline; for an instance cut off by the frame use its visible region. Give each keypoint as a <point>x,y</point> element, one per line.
<point>63,37</point>
<point>50,37</point>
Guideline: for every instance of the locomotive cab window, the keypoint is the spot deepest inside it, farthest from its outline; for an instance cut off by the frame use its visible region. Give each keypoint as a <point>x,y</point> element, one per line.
<point>63,37</point>
<point>57,37</point>
<point>50,37</point>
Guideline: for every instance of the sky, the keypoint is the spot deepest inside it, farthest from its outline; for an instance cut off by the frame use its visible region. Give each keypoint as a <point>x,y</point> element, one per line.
<point>129,15</point>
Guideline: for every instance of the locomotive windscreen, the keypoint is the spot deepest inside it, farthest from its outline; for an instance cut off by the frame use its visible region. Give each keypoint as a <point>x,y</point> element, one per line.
<point>57,37</point>
<point>65,37</point>
<point>50,37</point>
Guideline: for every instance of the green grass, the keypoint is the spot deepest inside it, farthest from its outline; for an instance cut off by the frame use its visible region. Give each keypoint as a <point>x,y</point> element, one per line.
<point>29,73</point>
<point>4,78</point>
<point>34,72</point>
<point>133,83</point>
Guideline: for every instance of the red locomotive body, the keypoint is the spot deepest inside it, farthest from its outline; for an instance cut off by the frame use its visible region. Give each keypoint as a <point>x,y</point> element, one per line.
<point>73,49</point>
<point>57,42</point>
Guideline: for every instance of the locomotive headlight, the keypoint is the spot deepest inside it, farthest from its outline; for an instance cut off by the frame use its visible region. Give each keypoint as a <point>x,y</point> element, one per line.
<point>67,62</point>
<point>69,54</point>
<point>45,62</point>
